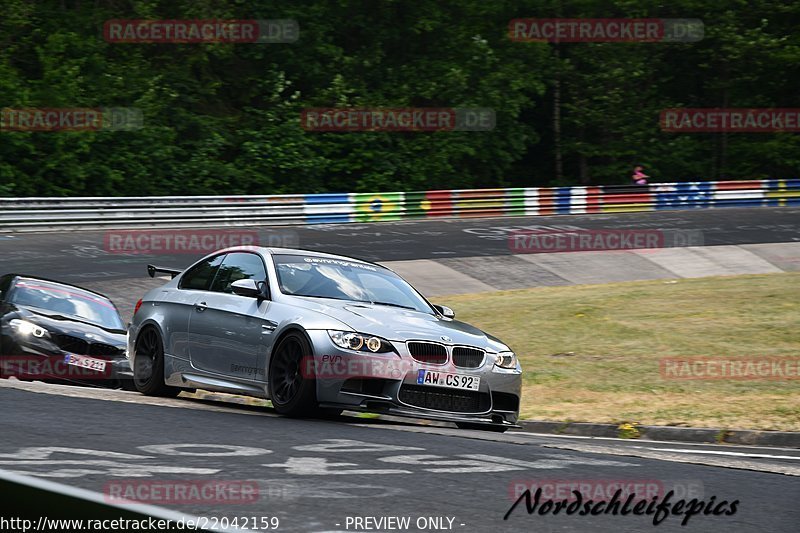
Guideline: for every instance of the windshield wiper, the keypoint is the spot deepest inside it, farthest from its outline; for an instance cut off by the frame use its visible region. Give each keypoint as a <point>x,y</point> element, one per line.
<point>357,301</point>
<point>394,305</point>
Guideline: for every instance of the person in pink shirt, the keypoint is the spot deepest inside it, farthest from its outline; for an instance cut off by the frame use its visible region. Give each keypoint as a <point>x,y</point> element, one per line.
<point>639,177</point>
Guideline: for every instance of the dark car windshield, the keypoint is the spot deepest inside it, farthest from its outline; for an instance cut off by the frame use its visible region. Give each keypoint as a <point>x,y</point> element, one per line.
<point>67,301</point>
<point>321,277</point>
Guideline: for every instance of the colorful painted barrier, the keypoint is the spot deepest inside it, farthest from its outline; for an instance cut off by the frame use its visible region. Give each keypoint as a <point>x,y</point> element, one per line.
<point>37,214</point>
<point>376,207</point>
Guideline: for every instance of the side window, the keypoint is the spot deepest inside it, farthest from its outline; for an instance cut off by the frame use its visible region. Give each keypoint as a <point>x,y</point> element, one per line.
<point>5,284</point>
<point>200,276</point>
<point>238,265</point>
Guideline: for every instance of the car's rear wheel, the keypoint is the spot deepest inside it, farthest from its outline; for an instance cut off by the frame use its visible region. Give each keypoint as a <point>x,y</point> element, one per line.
<point>292,391</point>
<point>481,427</point>
<point>148,371</point>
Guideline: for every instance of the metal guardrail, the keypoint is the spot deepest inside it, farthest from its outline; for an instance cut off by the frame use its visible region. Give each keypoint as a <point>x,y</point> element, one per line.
<point>86,213</point>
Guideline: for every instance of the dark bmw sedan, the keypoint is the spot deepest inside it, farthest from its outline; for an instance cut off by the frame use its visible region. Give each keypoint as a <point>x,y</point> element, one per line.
<point>52,331</point>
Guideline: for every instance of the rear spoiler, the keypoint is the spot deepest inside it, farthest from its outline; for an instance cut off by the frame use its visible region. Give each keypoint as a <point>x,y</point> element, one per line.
<point>152,269</point>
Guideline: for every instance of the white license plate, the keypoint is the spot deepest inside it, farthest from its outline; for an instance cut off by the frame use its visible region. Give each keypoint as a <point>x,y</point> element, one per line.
<point>444,379</point>
<point>85,362</point>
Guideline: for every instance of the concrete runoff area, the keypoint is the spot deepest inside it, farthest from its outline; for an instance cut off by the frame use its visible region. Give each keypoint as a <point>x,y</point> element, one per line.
<point>505,272</point>
<point>586,268</point>
<point>784,255</point>
<point>738,260</point>
<point>466,275</point>
<point>431,277</point>
<point>698,262</point>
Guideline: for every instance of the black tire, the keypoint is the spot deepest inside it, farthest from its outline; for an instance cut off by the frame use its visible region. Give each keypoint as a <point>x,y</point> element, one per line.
<point>482,427</point>
<point>292,391</point>
<point>128,385</point>
<point>148,372</point>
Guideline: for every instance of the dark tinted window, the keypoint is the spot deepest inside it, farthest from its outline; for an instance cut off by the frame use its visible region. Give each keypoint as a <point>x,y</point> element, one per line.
<point>238,266</point>
<point>200,276</point>
<point>5,283</point>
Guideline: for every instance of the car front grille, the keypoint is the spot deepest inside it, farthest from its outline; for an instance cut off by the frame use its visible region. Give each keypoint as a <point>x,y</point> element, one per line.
<point>428,352</point>
<point>71,344</point>
<point>98,348</point>
<point>79,346</point>
<point>441,399</point>
<point>467,357</point>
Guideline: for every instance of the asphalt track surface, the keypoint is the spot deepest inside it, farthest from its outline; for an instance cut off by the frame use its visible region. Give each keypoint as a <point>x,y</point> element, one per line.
<point>315,475</point>
<point>78,257</point>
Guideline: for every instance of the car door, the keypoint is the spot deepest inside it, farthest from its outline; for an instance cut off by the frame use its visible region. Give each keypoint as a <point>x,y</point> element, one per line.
<point>179,305</point>
<point>230,334</point>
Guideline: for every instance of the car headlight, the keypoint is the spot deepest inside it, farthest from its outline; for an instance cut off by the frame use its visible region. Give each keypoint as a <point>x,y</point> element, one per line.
<point>506,360</point>
<point>360,342</point>
<point>26,328</point>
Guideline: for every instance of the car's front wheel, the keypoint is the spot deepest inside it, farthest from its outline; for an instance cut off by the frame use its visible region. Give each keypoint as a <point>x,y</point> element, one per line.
<point>292,390</point>
<point>148,367</point>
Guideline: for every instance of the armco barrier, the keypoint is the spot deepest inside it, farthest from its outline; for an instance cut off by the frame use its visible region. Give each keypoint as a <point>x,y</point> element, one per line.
<point>39,214</point>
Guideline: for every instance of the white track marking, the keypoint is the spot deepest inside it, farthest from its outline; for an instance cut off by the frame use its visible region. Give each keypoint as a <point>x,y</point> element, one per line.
<point>353,446</point>
<point>690,458</point>
<point>44,452</point>
<point>733,454</point>
<point>452,466</point>
<point>319,466</point>
<point>229,450</point>
<point>552,462</point>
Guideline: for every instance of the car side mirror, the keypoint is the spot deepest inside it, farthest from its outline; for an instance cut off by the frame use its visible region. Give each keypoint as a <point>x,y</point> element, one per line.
<point>249,287</point>
<point>445,311</point>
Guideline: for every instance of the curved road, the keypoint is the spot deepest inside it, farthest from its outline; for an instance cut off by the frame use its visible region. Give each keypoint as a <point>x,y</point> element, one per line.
<point>85,256</point>
<point>314,475</point>
<point>355,473</point>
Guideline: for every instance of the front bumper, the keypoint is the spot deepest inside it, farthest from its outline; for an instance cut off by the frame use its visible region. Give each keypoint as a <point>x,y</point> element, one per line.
<point>43,363</point>
<point>388,383</point>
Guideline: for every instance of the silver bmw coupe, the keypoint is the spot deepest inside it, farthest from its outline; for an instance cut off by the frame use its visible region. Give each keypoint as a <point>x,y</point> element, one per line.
<point>317,334</point>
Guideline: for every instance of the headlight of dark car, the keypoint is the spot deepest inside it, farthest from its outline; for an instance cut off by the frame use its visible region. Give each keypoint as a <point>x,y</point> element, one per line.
<point>28,329</point>
<point>506,360</point>
<point>360,342</point>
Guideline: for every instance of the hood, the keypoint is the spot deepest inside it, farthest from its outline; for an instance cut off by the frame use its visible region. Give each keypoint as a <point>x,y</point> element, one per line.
<point>67,325</point>
<point>397,324</point>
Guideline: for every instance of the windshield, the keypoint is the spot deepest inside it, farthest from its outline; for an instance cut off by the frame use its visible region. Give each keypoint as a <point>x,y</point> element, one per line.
<point>320,277</point>
<point>67,301</point>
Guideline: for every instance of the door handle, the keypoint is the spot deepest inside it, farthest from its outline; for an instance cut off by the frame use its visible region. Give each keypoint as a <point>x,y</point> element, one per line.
<point>202,306</point>
<point>269,327</point>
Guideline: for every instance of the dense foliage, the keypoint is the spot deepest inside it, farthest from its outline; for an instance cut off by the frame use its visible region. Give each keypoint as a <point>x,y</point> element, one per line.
<point>225,118</point>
